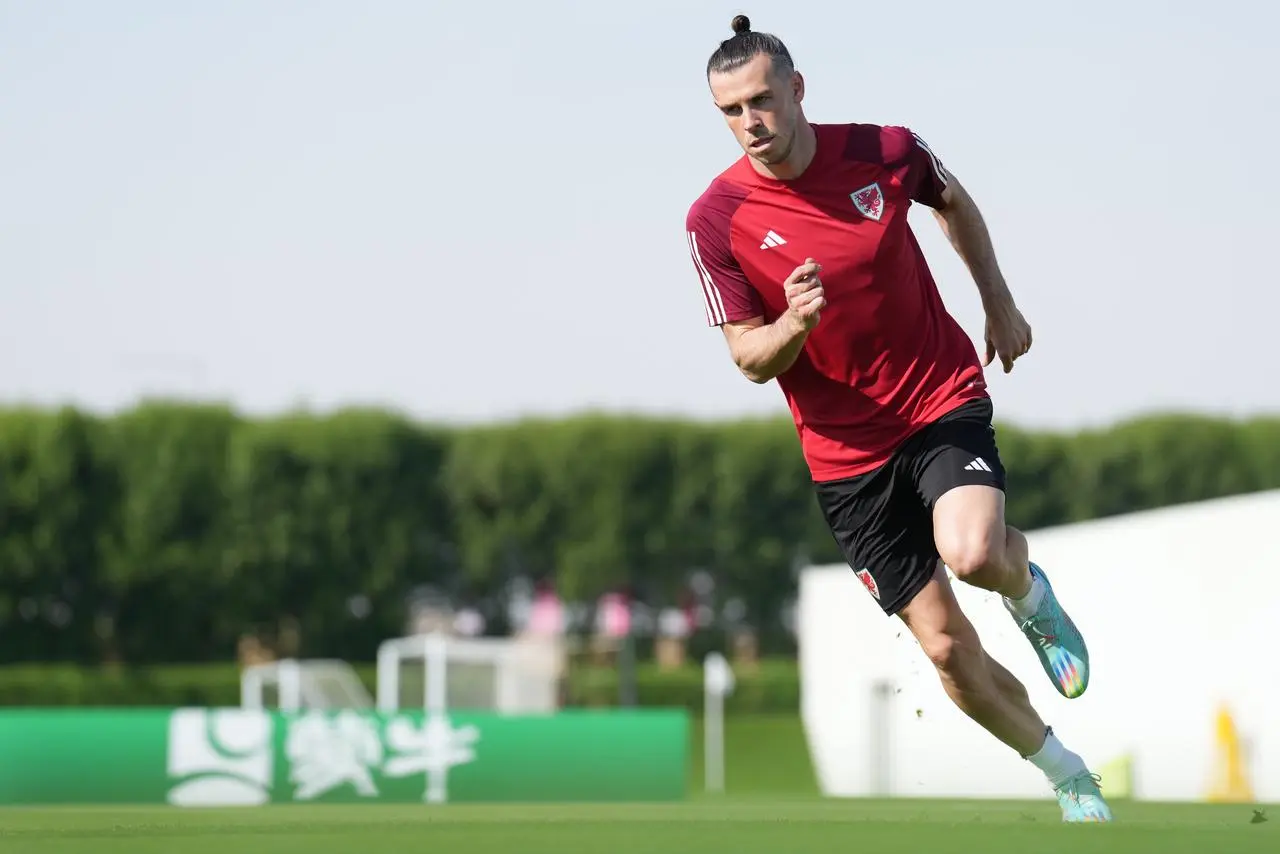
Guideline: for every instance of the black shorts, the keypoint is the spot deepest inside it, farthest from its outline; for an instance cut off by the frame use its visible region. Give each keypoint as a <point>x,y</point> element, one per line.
<point>883,520</point>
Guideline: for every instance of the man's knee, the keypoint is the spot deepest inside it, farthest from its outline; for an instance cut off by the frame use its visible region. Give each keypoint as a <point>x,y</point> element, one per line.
<point>969,531</point>
<point>959,658</point>
<point>943,651</point>
<point>972,552</point>
<point>948,638</point>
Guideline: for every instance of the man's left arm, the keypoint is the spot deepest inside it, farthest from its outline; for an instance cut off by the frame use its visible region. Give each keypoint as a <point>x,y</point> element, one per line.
<point>964,227</point>
<point>1007,333</point>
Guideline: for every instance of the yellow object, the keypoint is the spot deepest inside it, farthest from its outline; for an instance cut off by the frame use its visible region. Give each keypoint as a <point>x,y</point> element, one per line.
<point>1117,777</point>
<point>1230,782</point>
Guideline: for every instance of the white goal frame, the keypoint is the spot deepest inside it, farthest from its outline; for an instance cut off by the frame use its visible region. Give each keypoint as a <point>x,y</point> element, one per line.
<point>525,667</point>
<point>297,687</point>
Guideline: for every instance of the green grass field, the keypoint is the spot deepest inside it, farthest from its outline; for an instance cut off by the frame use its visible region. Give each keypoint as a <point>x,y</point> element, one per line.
<point>739,825</point>
<point>772,807</point>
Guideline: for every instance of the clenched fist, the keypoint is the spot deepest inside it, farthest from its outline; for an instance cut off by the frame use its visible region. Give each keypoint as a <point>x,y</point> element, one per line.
<point>805,297</point>
<point>1008,335</point>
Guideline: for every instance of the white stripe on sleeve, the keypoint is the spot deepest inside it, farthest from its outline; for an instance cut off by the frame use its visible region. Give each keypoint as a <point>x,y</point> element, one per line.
<point>933,159</point>
<point>710,293</point>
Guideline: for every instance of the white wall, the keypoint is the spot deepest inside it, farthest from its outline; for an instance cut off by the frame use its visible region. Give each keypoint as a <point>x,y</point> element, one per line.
<point>1180,608</point>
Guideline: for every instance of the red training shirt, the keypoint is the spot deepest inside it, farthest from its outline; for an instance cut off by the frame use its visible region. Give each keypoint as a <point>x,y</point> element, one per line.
<point>886,357</point>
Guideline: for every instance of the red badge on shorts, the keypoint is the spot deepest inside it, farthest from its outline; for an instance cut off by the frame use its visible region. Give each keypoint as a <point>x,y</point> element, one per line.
<point>869,583</point>
<point>869,201</point>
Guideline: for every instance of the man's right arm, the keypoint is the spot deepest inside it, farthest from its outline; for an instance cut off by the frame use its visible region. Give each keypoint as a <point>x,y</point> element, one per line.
<point>762,350</point>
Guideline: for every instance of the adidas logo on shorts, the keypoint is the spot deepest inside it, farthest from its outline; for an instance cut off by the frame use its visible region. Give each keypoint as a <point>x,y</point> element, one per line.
<point>978,464</point>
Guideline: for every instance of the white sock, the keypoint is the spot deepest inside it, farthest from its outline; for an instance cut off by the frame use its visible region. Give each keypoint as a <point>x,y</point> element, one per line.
<point>1057,763</point>
<point>1025,608</point>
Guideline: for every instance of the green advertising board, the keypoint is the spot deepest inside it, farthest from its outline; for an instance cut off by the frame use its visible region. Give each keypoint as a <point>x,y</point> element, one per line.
<point>243,757</point>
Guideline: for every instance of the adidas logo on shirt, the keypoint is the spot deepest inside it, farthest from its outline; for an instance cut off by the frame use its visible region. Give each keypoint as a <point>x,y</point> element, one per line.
<point>771,240</point>
<point>979,464</point>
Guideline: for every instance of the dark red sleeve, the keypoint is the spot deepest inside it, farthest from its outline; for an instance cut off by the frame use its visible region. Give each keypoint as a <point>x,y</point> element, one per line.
<point>922,172</point>
<point>727,294</point>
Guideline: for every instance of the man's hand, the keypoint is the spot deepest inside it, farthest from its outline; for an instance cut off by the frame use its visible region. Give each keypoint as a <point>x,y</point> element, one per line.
<point>805,297</point>
<point>763,351</point>
<point>1008,334</point>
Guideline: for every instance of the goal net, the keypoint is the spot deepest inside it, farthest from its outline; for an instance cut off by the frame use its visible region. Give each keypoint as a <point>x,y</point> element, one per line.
<point>291,685</point>
<point>441,673</point>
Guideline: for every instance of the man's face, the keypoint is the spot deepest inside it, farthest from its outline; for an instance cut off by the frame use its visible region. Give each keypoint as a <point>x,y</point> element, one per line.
<point>761,109</point>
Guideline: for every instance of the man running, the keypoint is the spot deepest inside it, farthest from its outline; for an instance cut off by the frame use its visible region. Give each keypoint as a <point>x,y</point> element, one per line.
<point>811,271</point>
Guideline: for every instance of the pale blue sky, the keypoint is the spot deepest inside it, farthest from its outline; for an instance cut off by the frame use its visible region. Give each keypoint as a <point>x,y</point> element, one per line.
<point>476,210</point>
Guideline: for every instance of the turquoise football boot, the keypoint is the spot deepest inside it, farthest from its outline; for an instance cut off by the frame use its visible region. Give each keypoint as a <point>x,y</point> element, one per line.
<point>1057,642</point>
<point>1081,800</point>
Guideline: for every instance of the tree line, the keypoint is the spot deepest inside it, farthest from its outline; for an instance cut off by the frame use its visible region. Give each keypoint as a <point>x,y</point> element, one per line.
<point>166,532</point>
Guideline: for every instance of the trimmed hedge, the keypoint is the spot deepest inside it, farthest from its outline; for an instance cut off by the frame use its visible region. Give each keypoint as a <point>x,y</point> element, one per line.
<point>774,687</point>
<point>170,532</point>
<point>68,685</point>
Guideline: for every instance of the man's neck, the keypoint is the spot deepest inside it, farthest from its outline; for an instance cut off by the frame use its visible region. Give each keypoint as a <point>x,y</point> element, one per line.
<point>804,146</point>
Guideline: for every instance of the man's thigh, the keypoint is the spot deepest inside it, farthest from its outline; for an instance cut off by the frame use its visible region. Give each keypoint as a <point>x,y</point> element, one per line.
<point>958,450</point>
<point>960,477</point>
<point>884,531</point>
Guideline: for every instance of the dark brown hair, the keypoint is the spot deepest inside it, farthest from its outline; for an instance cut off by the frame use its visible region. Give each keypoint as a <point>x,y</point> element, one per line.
<point>745,45</point>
